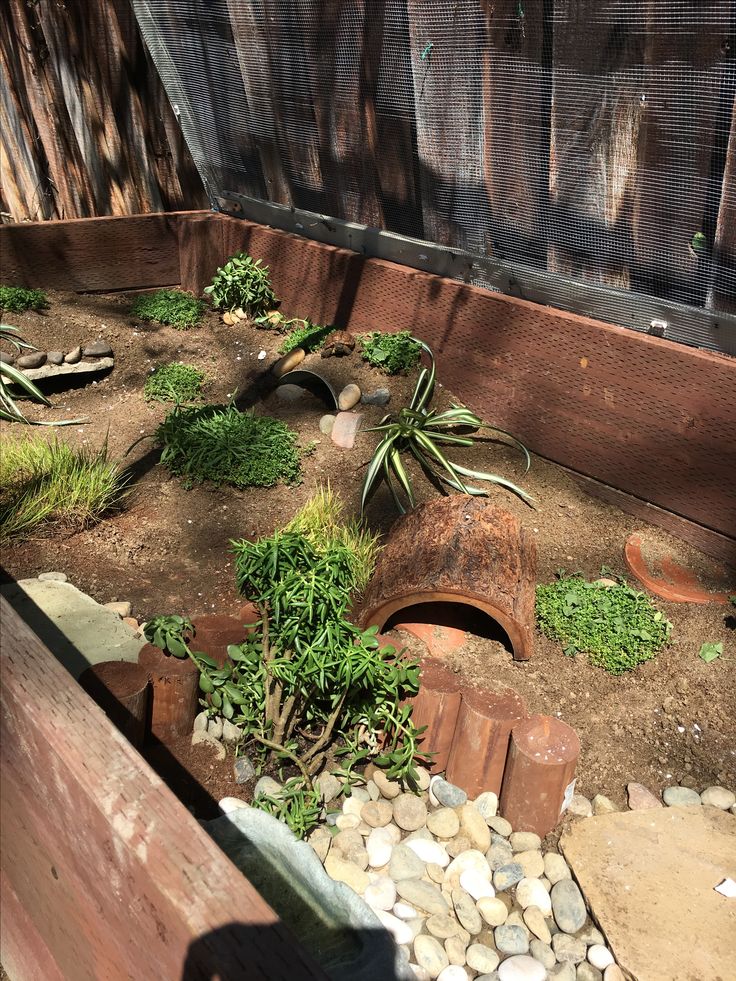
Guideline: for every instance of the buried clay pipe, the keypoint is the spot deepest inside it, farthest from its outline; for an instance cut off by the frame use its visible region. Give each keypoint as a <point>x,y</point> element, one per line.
<point>484,724</point>
<point>121,689</point>
<point>436,706</point>
<point>174,698</point>
<point>539,780</point>
<point>458,549</point>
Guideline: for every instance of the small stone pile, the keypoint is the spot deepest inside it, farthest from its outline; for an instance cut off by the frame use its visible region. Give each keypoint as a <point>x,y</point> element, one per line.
<point>95,356</point>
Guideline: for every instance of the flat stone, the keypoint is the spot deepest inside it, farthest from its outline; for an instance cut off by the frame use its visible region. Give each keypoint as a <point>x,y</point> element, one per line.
<point>349,873</point>
<point>511,939</point>
<point>288,362</point>
<point>55,357</point>
<point>409,812</point>
<point>474,826</point>
<point>486,804</point>
<point>521,968</point>
<point>326,423</point>
<point>422,896</point>
<point>243,769</point>
<point>455,948</point>
<point>35,359</point>
<point>61,370</point>
<point>507,876</point>
<point>718,797</point>
<point>641,799</point>
<point>205,738</point>
<point>381,396</point>
<point>602,805</point>
<point>380,894</point>
<point>494,911</point>
<point>648,878</point>
<point>267,787</point>
<point>448,794</point>
<point>405,864</point>
<point>536,923</point>
<point>580,806</point>
<point>465,910</point>
<point>498,855</point>
<point>345,429</point>
<point>53,577</point>
<point>555,867</point>
<point>531,892</point>
<point>680,797</point>
<point>430,852</point>
<point>531,862</point>
<point>568,906</point>
<point>568,949</point>
<point>348,397</point>
<point>78,630</point>
<point>443,823</point>
<point>289,393</point>
<point>477,884</point>
<point>481,958</point>
<point>387,788</point>
<point>586,972</point>
<point>500,825</point>
<point>525,841</point>
<point>329,787</point>
<point>73,356</point>
<point>121,608</point>
<point>97,349</point>
<point>543,952</point>
<point>430,954</point>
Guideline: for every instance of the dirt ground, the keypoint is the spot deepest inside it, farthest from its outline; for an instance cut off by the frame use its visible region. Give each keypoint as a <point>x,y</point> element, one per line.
<point>167,551</point>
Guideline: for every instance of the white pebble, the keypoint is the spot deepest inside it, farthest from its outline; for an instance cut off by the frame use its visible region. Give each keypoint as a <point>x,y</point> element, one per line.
<point>531,892</point>
<point>229,804</point>
<point>429,851</point>
<point>345,821</point>
<point>420,973</point>
<point>600,956</point>
<point>379,847</point>
<point>381,894</point>
<point>521,967</point>
<point>477,884</point>
<point>352,805</point>
<point>404,911</point>
<point>400,931</point>
<point>453,973</point>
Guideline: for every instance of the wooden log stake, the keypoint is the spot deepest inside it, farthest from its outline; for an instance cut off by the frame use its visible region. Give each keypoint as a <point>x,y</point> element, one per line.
<point>175,684</point>
<point>436,706</point>
<point>121,690</point>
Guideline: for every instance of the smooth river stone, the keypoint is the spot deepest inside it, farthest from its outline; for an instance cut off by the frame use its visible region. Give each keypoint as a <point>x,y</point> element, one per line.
<point>536,922</point>
<point>568,906</point>
<point>531,892</point>
<point>442,925</point>
<point>446,793</point>
<point>379,848</point>
<point>521,968</point>
<point>532,863</point>
<point>494,911</point>
<point>430,954</point>
<point>477,884</point>
<point>377,813</point>
<point>507,876</point>
<point>525,841</point>
<point>404,911</point>
<point>399,930</point>
<point>680,797</point>
<point>453,972</point>
<point>556,868</point>
<point>381,894</point>
<point>500,825</point>
<point>444,822</point>
<point>405,864</point>
<point>511,939</point>
<point>429,851</point>
<point>718,797</point>
<point>422,895</point>
<point>470,859</point>
<point>347,872</point>
<point>600,956</point>
<point>474,826</point>
<point>387,788</point>
<point>481,958</point>
<point>466,912</point>
<point>410,812</point>
<point>568,949</point>
<point>487,805</point>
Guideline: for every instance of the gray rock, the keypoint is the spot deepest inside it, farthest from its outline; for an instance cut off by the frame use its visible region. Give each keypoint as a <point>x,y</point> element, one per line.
<point>267,787</point>
<point>200,722</point>
<point>568,949</point>
<point>448,794</point>
<point>586,972</point>
<point>568,906</point>
<point>214,728</point>
<point>33,360</point>
<point>465,910</point>
<point>430,955</point>
<point>481,958</point>
<point>602,805</point>
<point>507,876</point>
<point>590,934</point>
<point>405,864</point>
<point>329,787</point>
<point>563,972</point>
<point>243,769</point>
<point>511,939</point>
<point>486,804</point>
<point>55,357</point>
<point>97,349</point>
<point>326,423</point>
<point>680,796</point>
<point>556,868</point>
<point>289,393</point>
<point>53,577</point>
<point>8,357</point>
<point>543,953</point>
<point>718,797</point>
<point>500,825</point>
<point>92,367</point>
<point>498,855</point>
<point>422,896</point>
<point>231,734</point>
<point>74,356</point>
<point>381,396</point>
<point>525,841</point>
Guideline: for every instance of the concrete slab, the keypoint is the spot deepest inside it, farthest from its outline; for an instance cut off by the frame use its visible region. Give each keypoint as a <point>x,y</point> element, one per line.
<point>649,878</point>
<point>75,628</point>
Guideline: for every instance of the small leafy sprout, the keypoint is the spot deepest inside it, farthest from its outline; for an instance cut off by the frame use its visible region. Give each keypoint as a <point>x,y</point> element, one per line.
<point>309,337</point>
<point>393,354</point>
<point>616,626</point>
<point>420,432</point>
<point>710,651</point>
<point>170,634</point>
<point>174,383</point>
<point>174,308</point>
<point>17,299</point>
<point>296,805</point>
<point>242,283</point>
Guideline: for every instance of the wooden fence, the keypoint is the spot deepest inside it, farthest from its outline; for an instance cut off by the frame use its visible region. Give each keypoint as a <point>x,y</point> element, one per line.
<point>85,124</point>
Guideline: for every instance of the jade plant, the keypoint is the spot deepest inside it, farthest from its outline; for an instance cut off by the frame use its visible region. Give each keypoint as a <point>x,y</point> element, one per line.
<point>242,283</point>
<point>422,433</point>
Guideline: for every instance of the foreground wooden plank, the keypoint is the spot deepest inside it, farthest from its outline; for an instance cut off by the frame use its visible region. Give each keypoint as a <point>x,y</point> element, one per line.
<point>104,873</point>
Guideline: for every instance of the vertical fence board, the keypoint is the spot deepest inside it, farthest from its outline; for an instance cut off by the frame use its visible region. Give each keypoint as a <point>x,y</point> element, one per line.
<point>722,291</point>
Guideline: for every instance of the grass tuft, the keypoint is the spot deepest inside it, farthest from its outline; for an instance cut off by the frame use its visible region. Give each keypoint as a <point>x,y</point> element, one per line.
<point>616,626</point>
<point>169,307</point>
<point>18,298</point>
<point>221,444</point>
<point>44,482</point>
<point>174,383</point>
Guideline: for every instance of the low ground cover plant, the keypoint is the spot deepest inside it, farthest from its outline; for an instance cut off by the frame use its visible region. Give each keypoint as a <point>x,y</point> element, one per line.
<point>17,299</point>
<point>420,432</point>
<point>616,626</point>
<point>242,283</point>
<point>174,383</point>
<point>219,443</point>
<point>43,482</point>
<point>308,336</point>
<point>391,353</point>
<point>173,308</point>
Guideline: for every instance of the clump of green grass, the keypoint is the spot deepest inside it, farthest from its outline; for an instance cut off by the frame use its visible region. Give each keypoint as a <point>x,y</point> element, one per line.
<point>18,298</point>
<point>174,383</point>
<point>221,444</point>
<point>170,307</point>
<point>43,482</point>
<point>393,354</point>
<point>616,626</point>
<point>309,336</point>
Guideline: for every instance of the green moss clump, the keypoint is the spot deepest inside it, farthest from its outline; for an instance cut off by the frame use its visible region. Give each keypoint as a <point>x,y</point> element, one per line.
<point>17,299</point>
<point>169,307</point>
<point>174,383</point>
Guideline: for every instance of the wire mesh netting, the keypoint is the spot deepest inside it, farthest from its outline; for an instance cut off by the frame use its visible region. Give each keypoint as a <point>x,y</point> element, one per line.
<point>591,144</point>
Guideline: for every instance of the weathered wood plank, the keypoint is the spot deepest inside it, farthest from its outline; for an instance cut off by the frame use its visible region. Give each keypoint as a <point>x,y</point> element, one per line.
<point>110,872</point>
<point>722,290</point>
<point>201,250</point>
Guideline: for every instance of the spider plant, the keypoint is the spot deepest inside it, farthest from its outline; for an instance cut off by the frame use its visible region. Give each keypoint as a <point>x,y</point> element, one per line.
<point>10,375</point>
<point>420,431</point>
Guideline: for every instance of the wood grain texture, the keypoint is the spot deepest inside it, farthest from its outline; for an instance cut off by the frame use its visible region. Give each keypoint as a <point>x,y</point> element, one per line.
<point>104,873</point>
<point>722,290</point>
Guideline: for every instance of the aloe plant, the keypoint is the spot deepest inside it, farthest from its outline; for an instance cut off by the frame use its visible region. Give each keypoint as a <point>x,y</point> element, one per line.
<point>10,375</point>
<point>421,432</point>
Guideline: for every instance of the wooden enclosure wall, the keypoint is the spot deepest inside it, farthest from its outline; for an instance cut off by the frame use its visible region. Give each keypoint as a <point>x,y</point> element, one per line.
<point>103,872</point>
<point>86,127</point>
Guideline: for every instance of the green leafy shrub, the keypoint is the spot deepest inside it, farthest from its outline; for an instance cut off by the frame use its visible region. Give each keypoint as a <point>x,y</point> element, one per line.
<point>221,444</point>
<point>51,482</point>
<point>309,336</point>
<point>174,308</point>
<point>242,283</point>
<point>420,432</point>
<point>392,353</point>
<point>616,626</point>
<point>174,383</point>
<point>18,298</point>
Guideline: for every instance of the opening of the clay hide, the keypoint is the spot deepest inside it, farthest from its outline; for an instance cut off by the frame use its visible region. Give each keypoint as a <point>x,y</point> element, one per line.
<point>454,621</point>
